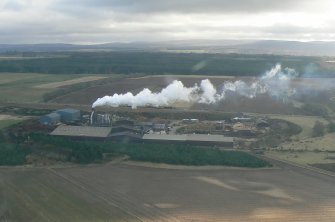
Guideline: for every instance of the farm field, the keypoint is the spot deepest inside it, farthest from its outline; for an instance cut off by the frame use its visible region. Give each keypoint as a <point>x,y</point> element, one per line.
<point>40,195</point>
<point>30,87</point>
<point>70,82</point>
<point>233,103</point>
<point>8,120</point>
<point>91,193</point>
<point>134,85</point>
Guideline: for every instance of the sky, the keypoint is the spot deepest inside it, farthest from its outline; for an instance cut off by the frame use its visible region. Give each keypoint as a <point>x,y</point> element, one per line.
<point>103,21</point>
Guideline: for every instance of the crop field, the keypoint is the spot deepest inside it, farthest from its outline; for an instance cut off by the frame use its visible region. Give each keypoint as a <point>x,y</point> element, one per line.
<point>122,192</point>
<point>39,195</point>
<point>30,87</point>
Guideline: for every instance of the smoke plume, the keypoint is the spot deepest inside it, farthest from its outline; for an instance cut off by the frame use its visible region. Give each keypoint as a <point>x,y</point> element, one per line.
<point>274,82</point>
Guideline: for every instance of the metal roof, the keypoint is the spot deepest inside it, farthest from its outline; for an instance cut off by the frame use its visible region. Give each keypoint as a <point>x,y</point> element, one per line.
<point>188,137</point>
<point>52,115</point>
<point>81,131</point>
<point>68,110</point>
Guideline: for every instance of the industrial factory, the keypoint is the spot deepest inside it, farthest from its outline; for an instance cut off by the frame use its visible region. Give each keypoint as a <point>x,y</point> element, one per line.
<point>110,127</point>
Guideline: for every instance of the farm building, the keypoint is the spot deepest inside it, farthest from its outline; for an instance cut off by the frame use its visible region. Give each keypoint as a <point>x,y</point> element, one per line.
<point>191,139</point>
<point>69,115</point>
<point>81,132</point>
<point>50,119</point>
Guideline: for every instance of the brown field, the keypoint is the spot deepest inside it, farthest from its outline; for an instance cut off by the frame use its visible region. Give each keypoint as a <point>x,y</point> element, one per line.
<point>119,192</point>
<point>30,87</point>
<point>326,166</point>
<point>70,82</point>
<point>135,85</point>
<point>260,104</point>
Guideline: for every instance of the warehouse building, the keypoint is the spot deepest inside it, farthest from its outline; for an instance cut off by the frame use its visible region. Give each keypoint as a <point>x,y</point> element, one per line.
<point>81,132</point>
<point>50,119</point>
<point>125,137</point>
<point>69,115</point>
<point>191,139</point>
<point>62,115</point>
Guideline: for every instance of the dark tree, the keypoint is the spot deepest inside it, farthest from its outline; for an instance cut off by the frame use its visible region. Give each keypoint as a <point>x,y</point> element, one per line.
<point>318,129</point>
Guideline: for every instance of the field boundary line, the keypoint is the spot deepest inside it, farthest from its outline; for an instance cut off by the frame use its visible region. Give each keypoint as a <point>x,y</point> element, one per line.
<point>314,169</point>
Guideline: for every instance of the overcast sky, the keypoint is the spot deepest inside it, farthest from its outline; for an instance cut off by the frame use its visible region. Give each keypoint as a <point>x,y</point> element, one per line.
<point>101,21</point>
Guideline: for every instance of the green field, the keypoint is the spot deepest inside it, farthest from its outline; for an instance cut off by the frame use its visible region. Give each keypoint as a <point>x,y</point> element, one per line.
<point>163,63</point>
<point>8,122</point>
<point>28,87</point>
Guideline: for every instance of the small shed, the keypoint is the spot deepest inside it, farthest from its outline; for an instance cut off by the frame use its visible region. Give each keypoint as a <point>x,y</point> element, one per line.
<point>69,115</point>
<point>82,132</point>
<point>50,119</point>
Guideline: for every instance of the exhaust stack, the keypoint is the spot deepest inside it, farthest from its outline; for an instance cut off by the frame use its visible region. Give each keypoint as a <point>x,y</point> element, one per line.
<point>91,117</point>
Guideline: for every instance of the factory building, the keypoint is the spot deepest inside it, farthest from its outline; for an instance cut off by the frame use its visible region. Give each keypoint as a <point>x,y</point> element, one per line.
<point>191,139</point>
<point>50,119</point>
<point>62,115</point>
<point>81,132</point>
<point>69,115</point>
<point>125,137</point>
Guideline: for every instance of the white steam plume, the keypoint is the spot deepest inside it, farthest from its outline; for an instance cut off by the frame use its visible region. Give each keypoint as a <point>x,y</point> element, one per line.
<point>275,82</point>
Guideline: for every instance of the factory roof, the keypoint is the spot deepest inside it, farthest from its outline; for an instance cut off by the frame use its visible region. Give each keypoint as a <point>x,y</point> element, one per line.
<point>68,110</point>
<point>81,131</point>
<point>188,137</point>
<point>52,115</point>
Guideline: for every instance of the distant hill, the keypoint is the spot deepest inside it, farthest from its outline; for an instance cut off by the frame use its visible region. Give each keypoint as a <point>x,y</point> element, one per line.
<point>316,48</point>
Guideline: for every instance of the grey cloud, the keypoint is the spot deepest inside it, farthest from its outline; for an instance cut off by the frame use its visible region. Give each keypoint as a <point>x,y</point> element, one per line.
<point>187,6</point>
<point>78,21</point>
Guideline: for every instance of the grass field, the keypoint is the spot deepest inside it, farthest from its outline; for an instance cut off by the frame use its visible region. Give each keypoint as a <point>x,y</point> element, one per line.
<point>92,193</point>
<point>16,87</point>
<point>8,120</point>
